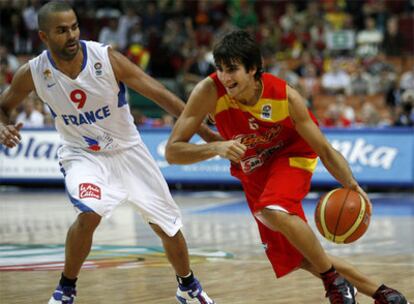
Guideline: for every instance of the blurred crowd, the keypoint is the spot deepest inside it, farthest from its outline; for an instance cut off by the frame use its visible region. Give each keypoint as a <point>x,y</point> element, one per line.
<point>353,60</point>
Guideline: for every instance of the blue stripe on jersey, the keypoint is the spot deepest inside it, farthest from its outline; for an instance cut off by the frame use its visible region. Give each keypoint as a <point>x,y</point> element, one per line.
<point>121,95</point>
<point>78,204</point>
<point>62,169</point>
<point>85,56</point>
<point>52,62</point>
<point>51,111</point>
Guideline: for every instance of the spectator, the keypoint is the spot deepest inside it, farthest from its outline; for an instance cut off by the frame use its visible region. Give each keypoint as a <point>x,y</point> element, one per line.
<point>404,115</point>
<point>336,81</point>
<point>152,17</point>
<point>310,83</point>
<point>407,80</point>
<point>136,35</point>
<point>30,20</point>
<point>109,34</point>
<point>334,118</point>
<point>369,114</point>
<point>6,75</point>
<point>290,18</point>
<point>243,14</point>
<point>19,36</point>
<point>369,39</point>
<point>282,70</point>
<point>30,117</point>
<point>362,83</point>
<point>393,95</point>
<point>125,23</point>
<point>12,61</point>
<point>200,68</point>
<point>393,42</point>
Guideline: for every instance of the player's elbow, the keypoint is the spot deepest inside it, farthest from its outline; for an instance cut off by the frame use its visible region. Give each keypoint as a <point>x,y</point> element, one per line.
<point>171,153</point>
<point>326,153</point>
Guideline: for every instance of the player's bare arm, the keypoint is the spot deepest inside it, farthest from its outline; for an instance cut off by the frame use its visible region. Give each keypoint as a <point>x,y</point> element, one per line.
<point>332,159</point>
<point>144,84</point>
<point>20,87</point>
<point>179,151</point>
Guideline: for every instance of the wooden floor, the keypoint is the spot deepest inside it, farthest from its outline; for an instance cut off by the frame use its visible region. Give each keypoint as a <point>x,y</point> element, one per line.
<point>226,253</point>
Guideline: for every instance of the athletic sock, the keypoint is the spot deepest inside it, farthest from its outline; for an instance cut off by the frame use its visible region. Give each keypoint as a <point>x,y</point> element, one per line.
<point>329,276</point>
<point>187,280</point>
<point>381,288</point>
<point>64,281</point>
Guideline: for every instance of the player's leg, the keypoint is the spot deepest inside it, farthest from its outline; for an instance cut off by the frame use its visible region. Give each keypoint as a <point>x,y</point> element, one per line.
<point>362,282</point>
<point>299,234</point>
<point>93,197</point>
<point>176,250</point>
<point>77,248</point>
<point>279,208</point>
<point>79,242</point>
<point>149,192</point>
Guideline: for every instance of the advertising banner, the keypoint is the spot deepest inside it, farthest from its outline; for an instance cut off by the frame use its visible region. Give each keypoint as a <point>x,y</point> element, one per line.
<point>376,156</point>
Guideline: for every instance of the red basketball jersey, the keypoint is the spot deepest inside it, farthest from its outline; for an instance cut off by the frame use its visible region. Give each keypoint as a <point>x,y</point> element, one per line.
<point>265,128</point>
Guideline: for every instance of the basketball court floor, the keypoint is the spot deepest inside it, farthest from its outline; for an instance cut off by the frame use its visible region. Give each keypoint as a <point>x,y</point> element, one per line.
<point>127,264</point>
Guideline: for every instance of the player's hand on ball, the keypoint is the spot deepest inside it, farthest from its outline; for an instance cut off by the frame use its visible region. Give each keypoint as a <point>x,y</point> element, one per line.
<point>10,135</point>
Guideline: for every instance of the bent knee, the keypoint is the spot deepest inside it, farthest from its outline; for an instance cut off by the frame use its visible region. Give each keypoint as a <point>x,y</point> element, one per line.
<point>273,218</point>
<point>88,220</point>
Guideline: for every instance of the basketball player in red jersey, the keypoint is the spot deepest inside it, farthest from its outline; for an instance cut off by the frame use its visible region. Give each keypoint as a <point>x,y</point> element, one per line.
<point>272,141</point>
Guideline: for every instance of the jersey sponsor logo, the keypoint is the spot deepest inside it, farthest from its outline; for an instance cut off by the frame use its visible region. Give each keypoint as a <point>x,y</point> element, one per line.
<point>252,140</point>
<point>266,111</point>
<point>251,163</point>
<point>253,125</point>
<point>87,118</point>
<point>92,143</point>
<point>88,190</point>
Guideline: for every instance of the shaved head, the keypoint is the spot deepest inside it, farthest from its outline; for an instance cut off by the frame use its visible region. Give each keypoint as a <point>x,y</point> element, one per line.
<point>48,9</point>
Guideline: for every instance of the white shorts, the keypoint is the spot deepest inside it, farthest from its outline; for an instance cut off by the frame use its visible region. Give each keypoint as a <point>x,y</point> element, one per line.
<point>99,182</point>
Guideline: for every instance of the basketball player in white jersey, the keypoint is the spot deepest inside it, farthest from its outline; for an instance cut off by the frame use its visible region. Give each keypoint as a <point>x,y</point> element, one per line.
<point>103,158</point>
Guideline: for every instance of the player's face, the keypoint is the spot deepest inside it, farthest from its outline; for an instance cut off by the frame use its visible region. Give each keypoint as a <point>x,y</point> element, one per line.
<point>235,79</point>
<point>63,36</point>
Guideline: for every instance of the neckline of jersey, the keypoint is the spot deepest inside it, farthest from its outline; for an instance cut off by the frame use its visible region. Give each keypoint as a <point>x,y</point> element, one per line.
<point>84,61</point>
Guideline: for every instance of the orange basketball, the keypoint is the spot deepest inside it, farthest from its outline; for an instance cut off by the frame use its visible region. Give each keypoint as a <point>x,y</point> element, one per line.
<point>342,215</point>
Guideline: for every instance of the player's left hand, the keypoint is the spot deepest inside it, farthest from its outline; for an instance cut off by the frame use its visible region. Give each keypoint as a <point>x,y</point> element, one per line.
<point>10,135</point>
<point>364,195</point>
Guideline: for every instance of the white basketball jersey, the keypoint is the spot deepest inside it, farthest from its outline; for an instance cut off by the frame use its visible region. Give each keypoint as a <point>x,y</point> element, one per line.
<point>91,111</point>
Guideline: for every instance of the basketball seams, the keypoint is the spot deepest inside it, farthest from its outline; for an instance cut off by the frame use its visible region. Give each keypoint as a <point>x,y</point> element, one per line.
<point>358,221</point>
<point>322,219</point>
<point>339,217</point>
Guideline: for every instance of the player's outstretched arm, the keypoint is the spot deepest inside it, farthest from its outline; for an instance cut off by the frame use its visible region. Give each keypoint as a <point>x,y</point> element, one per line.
<point>179,151</point>
<point>138,80</point>
<point>22,84</point>
<point>334,162</point>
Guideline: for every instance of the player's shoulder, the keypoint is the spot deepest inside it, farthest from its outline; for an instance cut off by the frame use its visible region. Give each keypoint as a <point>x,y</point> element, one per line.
<point>274,87</point>
<point>214,83</point>
<point>270,79</point>
<point>96,44</point>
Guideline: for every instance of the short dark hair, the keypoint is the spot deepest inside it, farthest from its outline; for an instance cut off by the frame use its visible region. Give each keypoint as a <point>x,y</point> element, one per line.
<point>49,8</point>
<point>239,47</point>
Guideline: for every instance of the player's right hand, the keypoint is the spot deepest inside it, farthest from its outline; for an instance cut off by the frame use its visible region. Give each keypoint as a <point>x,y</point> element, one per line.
<point>10,135</point>
<point>231,149</point>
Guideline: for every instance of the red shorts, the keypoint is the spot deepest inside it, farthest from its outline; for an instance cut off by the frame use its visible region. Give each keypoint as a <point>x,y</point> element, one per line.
<point>284,186</point>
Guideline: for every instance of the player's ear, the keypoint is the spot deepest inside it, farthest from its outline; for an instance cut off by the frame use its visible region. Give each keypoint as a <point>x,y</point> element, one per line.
<point>43,36</point>
<point>253,70</point>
